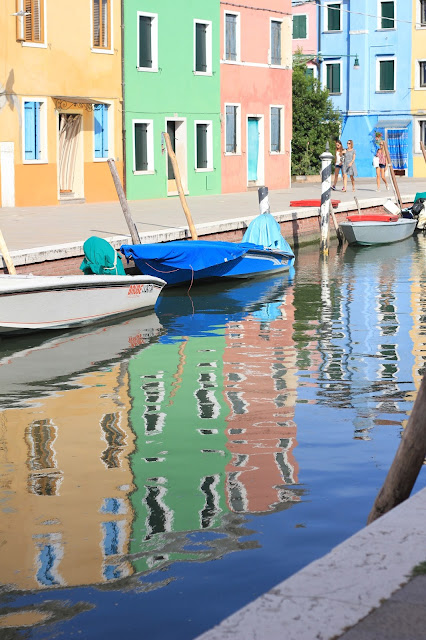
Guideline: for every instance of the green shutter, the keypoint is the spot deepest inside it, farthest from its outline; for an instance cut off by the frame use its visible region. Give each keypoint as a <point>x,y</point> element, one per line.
<point>201,146</point>
<point>299,27</point>
<point>333,17</point>
<point>309,72</point>
<point>141,146</point>
<point>333,78</point>
<point>387,72</point>
<point>388,15</point>
<point>201,47</point>
<point>145,42</point>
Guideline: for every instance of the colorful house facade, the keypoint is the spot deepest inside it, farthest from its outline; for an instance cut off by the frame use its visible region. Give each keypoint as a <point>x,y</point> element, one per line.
<point>305,33</point>
<point>256,95</point>
<point>366,64</point>
<point>60,101</point>
<point>418,82</point>
<point>172,85</point>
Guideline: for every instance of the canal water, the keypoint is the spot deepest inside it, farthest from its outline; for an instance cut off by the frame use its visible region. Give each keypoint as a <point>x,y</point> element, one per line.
<point>159,473</point>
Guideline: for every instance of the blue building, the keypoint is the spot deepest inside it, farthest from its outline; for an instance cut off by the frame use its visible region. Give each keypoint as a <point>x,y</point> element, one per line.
<point>365,61</point>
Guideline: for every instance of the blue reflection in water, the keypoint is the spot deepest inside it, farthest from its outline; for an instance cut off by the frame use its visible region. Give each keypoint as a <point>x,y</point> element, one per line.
<point>257,430</point>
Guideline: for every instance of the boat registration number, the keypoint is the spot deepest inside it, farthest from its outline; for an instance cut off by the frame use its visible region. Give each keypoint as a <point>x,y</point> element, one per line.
<point>137,289</point>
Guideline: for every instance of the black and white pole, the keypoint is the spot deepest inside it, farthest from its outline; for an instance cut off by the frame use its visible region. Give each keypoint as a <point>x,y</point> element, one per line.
<point>326,159</point>
<point>264,200</point>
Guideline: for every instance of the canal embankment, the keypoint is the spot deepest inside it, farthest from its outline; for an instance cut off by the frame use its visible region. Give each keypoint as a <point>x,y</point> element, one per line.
<point>50,239</point>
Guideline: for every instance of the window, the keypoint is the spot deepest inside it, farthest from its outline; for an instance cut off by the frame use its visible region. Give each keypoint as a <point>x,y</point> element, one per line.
<point>203,146</point>
<point>422,74</point>
<point>387,15</point>
<point>143,146</point>
<point>276,130</point>
<point>333,17</point>
<point>147,42</point>
<point>299,27</point>
<point>232,128</point>
<point>30,27</point>
<point>232,36</point>
<point>34,131</point>
<point>276,58</point>
<point>422,132</point>
<point>423,13</point>
<point>333,77</point>
<point>100,115</point>
<point>386,75</point>
<point>101,24</point>
<point>309,71</point>
<point>202,47</point>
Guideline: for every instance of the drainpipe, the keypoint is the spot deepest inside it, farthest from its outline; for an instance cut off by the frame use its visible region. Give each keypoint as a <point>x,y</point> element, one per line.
<point>319,39</point>
<point>123,109</point>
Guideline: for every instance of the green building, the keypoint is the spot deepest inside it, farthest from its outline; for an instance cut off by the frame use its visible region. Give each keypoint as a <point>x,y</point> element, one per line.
<point>171,79</point>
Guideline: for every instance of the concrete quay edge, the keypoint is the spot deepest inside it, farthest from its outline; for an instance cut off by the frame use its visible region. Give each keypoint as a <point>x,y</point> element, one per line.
<point>334,593</point>
<point>75,249</point>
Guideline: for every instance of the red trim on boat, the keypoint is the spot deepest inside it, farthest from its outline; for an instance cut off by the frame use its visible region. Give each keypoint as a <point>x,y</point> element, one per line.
<point>373,217</point>
<point>311,203</point>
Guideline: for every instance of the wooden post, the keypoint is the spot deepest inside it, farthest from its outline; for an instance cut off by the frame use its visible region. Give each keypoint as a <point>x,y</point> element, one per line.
<point>182,198</point>
<point>422,147</point>
<point>408,460</point>
<point>6,256</point>
<point>326,159</point>
<point>124,205</point>
<point>392,176</point>
<point>357,205</point>
<point>339,232</point>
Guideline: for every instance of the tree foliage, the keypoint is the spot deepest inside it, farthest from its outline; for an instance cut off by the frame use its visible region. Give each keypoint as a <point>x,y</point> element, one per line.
<point>315,122</point>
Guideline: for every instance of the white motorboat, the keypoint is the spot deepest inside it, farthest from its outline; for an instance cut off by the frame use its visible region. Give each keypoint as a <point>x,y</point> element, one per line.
<point>376,229</point>
<point>35,303</point>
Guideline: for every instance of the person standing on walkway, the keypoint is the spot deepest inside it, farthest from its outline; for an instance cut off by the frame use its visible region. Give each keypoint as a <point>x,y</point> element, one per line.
<point>349,166</point>
<point>338,163</point>
<point>380,170</point>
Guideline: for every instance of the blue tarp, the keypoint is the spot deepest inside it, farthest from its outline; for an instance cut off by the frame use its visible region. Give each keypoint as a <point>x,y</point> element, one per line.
<point>264,230</point>
<point>194,254</point>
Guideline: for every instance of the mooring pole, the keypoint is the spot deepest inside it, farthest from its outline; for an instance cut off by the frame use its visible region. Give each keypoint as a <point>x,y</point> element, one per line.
<point>264,200</point>
<point>326,159</point>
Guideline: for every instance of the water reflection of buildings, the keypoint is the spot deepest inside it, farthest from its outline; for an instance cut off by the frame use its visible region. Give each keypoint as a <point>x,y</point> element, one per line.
<point>261,390</point>
<point>66,515</point>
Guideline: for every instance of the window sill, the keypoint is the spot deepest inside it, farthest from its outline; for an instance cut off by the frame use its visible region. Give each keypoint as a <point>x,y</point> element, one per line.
<point>335,94</point>
<point>202,73</point>
<point>35,162</point>
<point>144,173</point>
<point>333,31</point>
<point>101,159</point>
<point>305,38</point>
<point>231,61</point>
<point>385,90</point>
<point>386,29</point>
<point>204,170</point>
<point>108,52</point>
<point>276,153</point>
<point>147,69</point>
<point>38,45</point>
<point>231,153</point>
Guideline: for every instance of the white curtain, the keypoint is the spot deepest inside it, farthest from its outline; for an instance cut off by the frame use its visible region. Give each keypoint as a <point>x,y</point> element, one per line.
<point>69,128</point>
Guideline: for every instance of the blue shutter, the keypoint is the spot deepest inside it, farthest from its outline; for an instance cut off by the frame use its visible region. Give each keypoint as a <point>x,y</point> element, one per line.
<point>37,137</point>
<point>101,130</point>
<point>231,129</point>
<point>30,133</point>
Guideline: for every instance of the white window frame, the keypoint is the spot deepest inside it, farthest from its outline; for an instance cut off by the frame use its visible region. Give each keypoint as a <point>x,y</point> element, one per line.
<point>93,49</point>
<point>418,24</point>
<point>276,66</point>
<point>209,57</point>
<point>417,75</point>
<point>150,147</point>
<point>282,138</point>
<point>334,61</point>
<point>209,124</point>
<point>39,45</point>
<point>326,29</point>
<point>380,59</point>
<point>417,133</point>
<point>237,35</point>
<point>111,153</point>
<point>379,16</point>
<point>237,128</point>
<point>154,43</point>
<point>43,133</point>
<point>307,26</point>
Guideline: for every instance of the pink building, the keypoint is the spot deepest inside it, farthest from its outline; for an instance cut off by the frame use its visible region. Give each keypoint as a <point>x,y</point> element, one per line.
<point>305,36</point>
<point>256,94</point>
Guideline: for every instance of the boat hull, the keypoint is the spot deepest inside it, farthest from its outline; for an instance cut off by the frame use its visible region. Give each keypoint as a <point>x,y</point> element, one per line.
<point>369,233</point>
<point>254,263</point>
<point>35,303</point>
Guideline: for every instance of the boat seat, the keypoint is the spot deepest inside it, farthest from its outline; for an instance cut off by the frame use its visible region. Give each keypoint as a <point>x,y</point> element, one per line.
<point>373,217</point>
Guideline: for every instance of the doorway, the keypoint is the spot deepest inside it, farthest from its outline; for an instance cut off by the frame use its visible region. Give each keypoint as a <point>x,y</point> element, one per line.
<point>255,160</point>
<point>176,128</point>
<point>70,173</point>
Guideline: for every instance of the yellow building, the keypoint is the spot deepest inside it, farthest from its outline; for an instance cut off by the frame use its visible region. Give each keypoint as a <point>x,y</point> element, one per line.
<point>60,101</point>
<point>418,84</point>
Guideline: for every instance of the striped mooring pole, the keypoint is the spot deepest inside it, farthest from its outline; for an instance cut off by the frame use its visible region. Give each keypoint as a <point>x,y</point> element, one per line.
<point>263,200</point>
<point>326,159</point>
